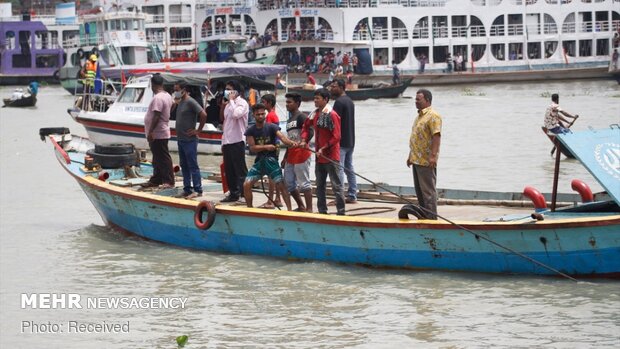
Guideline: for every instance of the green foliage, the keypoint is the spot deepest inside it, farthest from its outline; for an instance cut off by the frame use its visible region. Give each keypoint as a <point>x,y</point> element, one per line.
<point>467,91</point>
<point>182,340</point>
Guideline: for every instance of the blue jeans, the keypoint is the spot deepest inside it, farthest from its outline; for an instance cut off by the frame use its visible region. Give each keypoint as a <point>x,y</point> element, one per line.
<point>188,156</point>
<point>346,162</point>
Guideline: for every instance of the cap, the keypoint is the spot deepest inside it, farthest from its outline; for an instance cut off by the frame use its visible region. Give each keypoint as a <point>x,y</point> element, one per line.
<point>93,57</point>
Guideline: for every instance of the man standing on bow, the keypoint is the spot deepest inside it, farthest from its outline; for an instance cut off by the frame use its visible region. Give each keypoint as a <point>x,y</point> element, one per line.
<point>234,115</point>
<point>343,105</point>
<point>326,125</point>
<point>424,152</point>
<point>158,133</point>
<point>189,112</point>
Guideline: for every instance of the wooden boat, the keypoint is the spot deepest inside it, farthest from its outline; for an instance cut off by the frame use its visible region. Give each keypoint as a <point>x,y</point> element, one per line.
<point>581,240</point>
<point>558,145</point>
<point>28,100</point>
<point>361,93</point>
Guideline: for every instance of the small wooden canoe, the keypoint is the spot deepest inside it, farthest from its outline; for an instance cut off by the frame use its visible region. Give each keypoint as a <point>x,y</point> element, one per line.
<point>28,101</point>
<point>363,93</point>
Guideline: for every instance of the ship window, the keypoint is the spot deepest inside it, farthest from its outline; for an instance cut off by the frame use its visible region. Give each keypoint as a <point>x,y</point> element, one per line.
<point>533,50</point>
<point>515,24</point>
<point>497,28</point>
<point>381,56</point>
<point>550,27</point>
<point>602,21</point>
<point>461,50</point>
<point>379,28</point>
<point>47,61</point>
<point>250,26</point>
<point>399,54</point>
<point>570,47</point>
<point>498,51</point>
<point>477,51</point>
<point>180,36</point>
<point>569,24</point>
<point>22,61</point>
<point>602,47</point>
<point>585,48</point>
<point>399,29</point>
<point>550,48</point>
<point>419,51</point>
<point>24,41</point>
<point>75,59</point>
<point>440,26</point>
<point>41,39</point>
<point>476,28</point>
<point>420,31</point>
<point>10,39</point>
<point>515,51</point>
<point>459,26</point>
<point>361,30</point>
<point>131,95</point>
<point>440,54</point>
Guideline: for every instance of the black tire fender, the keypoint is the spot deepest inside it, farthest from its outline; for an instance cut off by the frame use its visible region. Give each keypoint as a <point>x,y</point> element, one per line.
<point>114,160</point>
<point>57,75</point>
<point>406,210</point>
<point>204,206</point>
<point>114,148</point>
<point>250,55</point>
<point>80,53</point>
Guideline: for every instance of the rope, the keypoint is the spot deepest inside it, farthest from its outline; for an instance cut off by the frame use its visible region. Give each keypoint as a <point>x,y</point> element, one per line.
<point>477,236</point>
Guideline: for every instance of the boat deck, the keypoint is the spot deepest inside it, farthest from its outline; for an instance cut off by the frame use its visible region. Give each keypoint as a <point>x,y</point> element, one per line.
<point>370,204</point>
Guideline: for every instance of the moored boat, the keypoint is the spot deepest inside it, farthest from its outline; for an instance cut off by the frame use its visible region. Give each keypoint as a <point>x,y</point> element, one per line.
<point>362,92</point>
<point>578,241</point>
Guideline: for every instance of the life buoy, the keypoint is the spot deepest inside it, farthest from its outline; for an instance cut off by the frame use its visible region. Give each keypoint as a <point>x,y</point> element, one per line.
<point>80,53</point>
<point>250,55</point>
<point>210,208</point>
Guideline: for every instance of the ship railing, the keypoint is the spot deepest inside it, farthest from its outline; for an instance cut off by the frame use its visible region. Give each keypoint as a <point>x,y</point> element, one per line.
<point>419,33</point>
<point>399,33</point>
<point>514,29</point>
<point>477,31</point>
<point>100,102</point>
<point>440,32</point>
<point>615,25</point>
<point>569,27</point>
<point>155,37</point>
<point>180,18</point>
<point>459,32</point>
<point>180,41</point>
<point>497,30</point>
<point>550,28</point>
<point>379,33</point>
<point>155,19</point>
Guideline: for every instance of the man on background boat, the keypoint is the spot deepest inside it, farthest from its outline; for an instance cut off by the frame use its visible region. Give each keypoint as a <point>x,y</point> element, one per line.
<point>261,139</point>
<point>554,122</point>
<point>296,161</point>
<point>395,73</point>
<point>234,115</point>
<point>343,105</point>
<point>326,125</point>
<point>424,152</point>
<point>189,112</point>
<point>158,133</point>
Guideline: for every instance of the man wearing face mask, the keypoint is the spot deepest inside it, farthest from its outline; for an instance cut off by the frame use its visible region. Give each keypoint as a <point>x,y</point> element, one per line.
<point>189,112</point>
<point>234,115</point>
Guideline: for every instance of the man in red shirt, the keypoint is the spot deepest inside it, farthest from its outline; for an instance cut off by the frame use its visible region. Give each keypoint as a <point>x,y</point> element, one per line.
<point>326,125</point>
<point>310,79</point>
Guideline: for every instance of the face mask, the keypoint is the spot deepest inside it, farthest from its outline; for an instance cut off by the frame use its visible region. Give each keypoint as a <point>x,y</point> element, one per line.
<point>177,94</point>
<point>227,94</point>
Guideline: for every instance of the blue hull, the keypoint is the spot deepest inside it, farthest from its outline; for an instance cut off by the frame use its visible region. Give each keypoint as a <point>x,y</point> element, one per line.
<point>575,249</point>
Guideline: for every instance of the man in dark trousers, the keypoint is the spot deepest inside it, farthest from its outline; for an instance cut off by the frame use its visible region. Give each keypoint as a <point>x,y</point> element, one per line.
<point>189,112</point>
<point>157,132</point>
<point>234,115</point>
<point>326,125</point>
<point>343,105</point>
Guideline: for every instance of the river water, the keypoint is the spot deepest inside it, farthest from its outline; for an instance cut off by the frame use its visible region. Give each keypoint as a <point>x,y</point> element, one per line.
<point>53,241</point>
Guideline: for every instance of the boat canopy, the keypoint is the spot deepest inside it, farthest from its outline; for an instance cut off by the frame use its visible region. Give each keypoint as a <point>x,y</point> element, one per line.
<point>204,69</point>
<point>599,152</point>
<point>204,80</point>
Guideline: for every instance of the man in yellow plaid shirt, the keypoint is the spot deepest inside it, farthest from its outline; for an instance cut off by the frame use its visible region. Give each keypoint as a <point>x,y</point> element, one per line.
<point>424,153</point>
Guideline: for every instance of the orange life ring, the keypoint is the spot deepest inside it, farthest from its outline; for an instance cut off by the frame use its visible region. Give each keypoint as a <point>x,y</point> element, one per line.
<point>210,208</point>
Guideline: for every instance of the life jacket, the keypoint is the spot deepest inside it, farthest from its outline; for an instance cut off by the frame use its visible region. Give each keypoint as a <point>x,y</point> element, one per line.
<point>91,71</point>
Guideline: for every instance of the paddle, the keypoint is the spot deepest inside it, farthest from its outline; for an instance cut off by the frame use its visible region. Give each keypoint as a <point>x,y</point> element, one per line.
<point>569,125</point>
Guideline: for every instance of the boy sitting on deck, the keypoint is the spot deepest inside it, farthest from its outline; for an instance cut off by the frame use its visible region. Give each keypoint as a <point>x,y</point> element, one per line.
<point>261,139</point>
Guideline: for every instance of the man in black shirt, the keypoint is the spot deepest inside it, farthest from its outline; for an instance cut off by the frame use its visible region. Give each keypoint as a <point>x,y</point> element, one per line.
<point>345,108</point>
